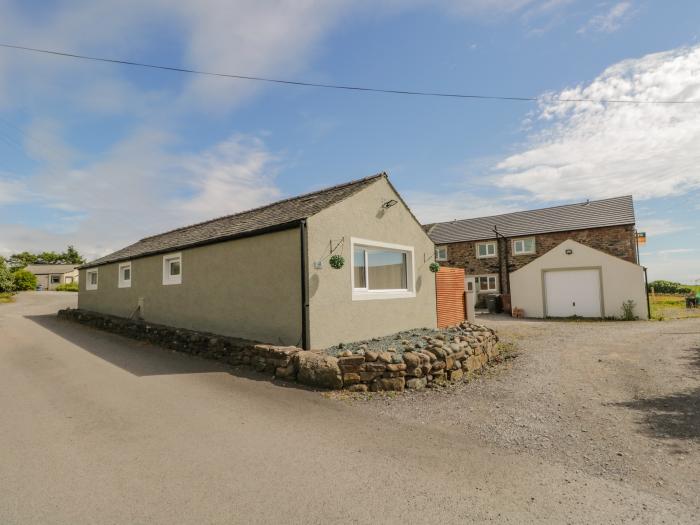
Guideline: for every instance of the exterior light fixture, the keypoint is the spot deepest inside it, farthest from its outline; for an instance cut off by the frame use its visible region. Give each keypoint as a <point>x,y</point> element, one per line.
<point>389,203</point>
<point>569,251</point>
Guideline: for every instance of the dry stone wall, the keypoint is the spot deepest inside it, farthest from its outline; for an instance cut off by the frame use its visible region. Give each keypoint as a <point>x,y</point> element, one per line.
<point>444,356</point>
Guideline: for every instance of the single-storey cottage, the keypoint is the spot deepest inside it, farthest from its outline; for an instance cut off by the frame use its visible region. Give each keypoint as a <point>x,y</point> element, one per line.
<point>341,264</point>
<point>49,276</point>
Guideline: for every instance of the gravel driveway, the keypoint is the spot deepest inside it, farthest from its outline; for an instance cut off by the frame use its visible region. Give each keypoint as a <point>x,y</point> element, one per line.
<point>96,428</point>
<point>614,400</point>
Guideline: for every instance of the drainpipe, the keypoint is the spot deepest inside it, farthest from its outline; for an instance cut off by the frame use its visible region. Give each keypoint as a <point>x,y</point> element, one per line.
<point>636,241</point>
<point>646,288</point>
<point>506,281</point>
<point>305,338</point>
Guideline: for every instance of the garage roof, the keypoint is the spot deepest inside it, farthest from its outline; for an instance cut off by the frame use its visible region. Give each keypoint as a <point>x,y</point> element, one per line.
<point>614,211</point>
<point>271,217</point>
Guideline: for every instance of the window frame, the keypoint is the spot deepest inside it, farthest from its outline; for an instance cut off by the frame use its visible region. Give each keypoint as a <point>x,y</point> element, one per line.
<point>486,243</point>
<point>169,279</point>
<point>522,240</point>
<point>88,280</point>
<point>437,253</point>
<point>124,283</point>
<point>54,276</point>
<point>488,277</point>
<point>363,294</point>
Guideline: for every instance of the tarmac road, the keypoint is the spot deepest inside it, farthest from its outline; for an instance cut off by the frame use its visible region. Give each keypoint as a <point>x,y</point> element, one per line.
<point>96,428</point>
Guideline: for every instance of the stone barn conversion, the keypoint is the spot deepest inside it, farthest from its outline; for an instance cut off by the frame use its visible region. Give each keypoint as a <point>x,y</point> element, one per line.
<point>342,264</point>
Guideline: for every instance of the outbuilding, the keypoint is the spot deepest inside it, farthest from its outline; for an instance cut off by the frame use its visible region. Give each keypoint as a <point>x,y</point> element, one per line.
<point>341,264</point>
<point>576,280</point>
<point>49,276</point>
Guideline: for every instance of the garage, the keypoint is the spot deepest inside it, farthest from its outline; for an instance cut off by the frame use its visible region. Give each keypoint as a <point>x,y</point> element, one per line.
<point>569,293</point>
<point>576,280</point>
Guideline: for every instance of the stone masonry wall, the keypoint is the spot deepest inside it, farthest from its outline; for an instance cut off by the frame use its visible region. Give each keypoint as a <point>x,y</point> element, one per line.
<point>615,240</point>
<point>448,356</point>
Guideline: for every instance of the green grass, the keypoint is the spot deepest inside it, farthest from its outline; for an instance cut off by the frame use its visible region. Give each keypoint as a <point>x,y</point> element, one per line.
<point>6,297</point>
<point>671,307</point>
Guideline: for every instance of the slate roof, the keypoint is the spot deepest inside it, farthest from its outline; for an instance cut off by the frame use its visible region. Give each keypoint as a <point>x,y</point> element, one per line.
<point>41,269</point>
<point>271,217</point>
<point>591,214</point>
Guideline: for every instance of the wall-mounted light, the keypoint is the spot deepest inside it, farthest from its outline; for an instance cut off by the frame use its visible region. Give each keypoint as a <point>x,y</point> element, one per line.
<point>389,203</point>
<point>569,251</point>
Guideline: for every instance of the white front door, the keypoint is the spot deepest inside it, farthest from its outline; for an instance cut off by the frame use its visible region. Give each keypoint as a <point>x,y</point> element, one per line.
<point>572,292</point>
<point>470,291</point>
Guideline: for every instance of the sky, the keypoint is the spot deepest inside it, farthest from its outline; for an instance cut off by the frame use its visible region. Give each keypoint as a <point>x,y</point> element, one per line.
<point>100,155</point>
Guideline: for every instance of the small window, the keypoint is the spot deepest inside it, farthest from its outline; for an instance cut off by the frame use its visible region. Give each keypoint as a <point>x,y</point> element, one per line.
<point>381,271</point>
<point>441,253</point>
<point>55,279</point>
<point>172,269</point>
<point>69,280</point>
<point>486,283</point>
<point>125,275</point>
<point>486,249</point>
<point>524,246</point>
<point>91,283</point>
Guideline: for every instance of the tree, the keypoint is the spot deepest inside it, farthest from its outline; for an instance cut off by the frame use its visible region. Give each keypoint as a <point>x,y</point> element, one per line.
<point>20,260</point>
<point>24,280</point>
<point>6,282</point>
<point>23,259</point>
<point>71,256</point>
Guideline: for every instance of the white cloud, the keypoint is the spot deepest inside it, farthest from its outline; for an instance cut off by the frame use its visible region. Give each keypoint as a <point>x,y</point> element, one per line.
<point>236,174</point>
<point>610,21</point>
<point>140,188</point>
<point>659,227</point>
<point>434,207</point>
<point>601,150</point>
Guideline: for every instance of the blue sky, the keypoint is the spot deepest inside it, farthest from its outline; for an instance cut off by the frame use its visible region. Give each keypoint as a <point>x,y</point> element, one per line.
<point>100,155</point>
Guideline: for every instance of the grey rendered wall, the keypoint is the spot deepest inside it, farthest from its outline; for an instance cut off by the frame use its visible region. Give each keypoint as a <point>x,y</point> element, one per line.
<point>622,280</point>
<point>333,316</point>
<point>249,288</point>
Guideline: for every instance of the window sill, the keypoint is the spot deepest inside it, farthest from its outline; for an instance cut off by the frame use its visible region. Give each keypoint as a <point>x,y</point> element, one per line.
<point>523,253</point>
<point>486,256</point>
<point>366,295</point>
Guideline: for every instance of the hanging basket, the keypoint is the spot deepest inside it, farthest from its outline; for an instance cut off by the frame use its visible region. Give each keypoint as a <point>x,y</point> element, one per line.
<point>434,267</point>
<point>336,261</point>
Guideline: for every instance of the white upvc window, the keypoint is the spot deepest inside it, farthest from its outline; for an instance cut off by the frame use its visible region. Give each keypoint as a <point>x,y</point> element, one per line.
<point>91,279</point>
<point>381,270</point>
<point>524,246</point>
<point>441,253</point>
<point>125,275</point>
<point>172,268</point>
<point>486,283</point>
<point>485,250</point>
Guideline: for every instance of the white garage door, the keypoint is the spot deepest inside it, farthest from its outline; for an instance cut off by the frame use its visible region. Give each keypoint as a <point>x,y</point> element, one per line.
<point>572,292</point>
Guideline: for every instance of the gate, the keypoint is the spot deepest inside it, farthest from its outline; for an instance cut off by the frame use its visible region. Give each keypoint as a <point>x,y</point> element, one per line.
<point>449,288</point>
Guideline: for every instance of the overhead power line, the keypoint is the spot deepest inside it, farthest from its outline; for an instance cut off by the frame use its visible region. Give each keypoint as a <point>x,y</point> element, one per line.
<point>338,86</point>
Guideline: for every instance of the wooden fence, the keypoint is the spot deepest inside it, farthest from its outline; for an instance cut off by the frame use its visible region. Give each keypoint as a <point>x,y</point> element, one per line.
<point>449,286</point>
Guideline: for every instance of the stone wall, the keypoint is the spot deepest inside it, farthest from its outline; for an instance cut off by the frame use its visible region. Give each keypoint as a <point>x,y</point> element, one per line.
<point>614,240</point>
<point>447,357</point>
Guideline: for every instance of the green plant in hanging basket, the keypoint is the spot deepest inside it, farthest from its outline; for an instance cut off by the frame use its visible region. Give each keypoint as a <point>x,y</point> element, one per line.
<point>434,267</point>
<point>336,261</point>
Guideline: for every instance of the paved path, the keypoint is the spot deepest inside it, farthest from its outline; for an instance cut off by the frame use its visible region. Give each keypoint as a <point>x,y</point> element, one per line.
<point>95,428</point>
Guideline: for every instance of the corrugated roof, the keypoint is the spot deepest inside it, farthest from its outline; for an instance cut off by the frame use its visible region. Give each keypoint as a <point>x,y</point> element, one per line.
<point>591,214</point>
<point>40,269</point>
<point>251,222</point>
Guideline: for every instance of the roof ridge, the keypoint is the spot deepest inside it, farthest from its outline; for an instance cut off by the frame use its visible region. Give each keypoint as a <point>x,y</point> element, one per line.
<point>532,210</point>
<point>276,203</point>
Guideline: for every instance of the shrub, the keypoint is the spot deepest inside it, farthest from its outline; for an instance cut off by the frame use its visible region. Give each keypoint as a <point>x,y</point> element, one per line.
<point>628,310</point>
<point>67,287</point>
<point>7,284</point>
<point>669,287</point>
<point>24,280</point>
